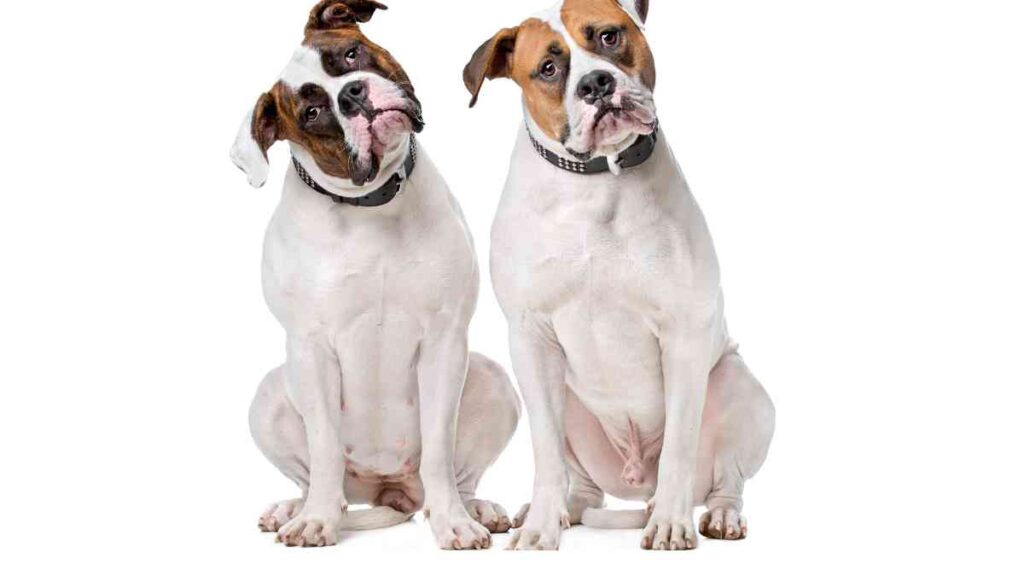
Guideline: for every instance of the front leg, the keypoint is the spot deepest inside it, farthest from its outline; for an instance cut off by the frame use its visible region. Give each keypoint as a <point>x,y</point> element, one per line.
<point>314,387</point>
<point>685,370</point>
<point>444,362</point>
<point>540,366</point>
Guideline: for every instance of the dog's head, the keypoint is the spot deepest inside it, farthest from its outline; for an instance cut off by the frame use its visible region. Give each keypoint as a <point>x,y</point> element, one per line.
<point>343,102</point>
<point>586,71</point>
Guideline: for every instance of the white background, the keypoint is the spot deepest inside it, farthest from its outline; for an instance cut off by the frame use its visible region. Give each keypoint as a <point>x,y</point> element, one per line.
<point>860,164</point>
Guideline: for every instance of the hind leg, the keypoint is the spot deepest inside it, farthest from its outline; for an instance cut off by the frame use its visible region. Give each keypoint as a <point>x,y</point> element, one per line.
<point>488,416</point>
<point>280,435</point>
<point>584,493</point>
<point>739,421</point>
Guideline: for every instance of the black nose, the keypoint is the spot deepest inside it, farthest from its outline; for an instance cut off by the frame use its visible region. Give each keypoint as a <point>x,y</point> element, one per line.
<point>352,98</point>
<point>596,86</point>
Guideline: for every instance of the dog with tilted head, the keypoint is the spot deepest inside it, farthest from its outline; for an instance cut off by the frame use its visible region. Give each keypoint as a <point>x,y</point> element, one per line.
<point>370,268</point>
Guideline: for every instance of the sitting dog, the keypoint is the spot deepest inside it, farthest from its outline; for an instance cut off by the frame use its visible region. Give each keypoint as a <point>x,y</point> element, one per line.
<point>370,267</point>
<point>605,268</point>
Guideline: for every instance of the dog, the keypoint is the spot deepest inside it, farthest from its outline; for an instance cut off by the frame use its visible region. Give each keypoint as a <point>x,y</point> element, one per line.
<point>606,271</point>
<point>370,268</point>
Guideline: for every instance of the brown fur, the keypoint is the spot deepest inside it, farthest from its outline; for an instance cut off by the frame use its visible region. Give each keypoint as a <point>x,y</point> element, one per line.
<point>587,19</point>
<point>545,100</point>
<point>328,14</point>
<point>491,60</point>
<point>518,53</point>
<point>285,107</point>
<point>332,31</point>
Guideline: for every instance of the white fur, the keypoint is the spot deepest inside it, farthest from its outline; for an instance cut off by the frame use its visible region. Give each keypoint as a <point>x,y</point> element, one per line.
<point>376,304</point>
<point>611,288</point>
<point>630,7</point>
<point>583,62</point>
<point>246,154</point>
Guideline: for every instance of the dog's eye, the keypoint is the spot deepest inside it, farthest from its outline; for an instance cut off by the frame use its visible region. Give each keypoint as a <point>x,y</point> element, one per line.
<point>548,69</point>
<point>610,38</point>
<point>352,54</point>
<point>312,114</point>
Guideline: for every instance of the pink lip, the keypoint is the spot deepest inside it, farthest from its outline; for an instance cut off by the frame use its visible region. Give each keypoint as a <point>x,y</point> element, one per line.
<point>386,127</point>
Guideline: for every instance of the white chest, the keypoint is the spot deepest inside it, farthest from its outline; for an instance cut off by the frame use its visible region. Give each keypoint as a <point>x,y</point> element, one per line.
<point>367,288</point>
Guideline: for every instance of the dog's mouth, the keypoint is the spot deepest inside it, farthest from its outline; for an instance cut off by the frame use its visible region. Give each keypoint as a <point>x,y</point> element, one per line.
<point>604,111</point>
<point>376,132</point>
<point>610,126</point>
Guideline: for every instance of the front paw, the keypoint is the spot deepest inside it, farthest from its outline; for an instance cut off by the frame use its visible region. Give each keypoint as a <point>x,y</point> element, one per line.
<point>456,530</point>
<point>540,528</point>
<point>670,528</point>
<point>313,527</point>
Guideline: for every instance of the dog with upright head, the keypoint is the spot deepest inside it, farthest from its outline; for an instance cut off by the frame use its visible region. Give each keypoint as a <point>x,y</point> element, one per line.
<point>370,268</point>
<point>606,271</point>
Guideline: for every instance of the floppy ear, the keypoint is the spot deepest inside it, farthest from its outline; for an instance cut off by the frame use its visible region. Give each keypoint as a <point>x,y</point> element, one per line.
<point>493,59</point>
<point>636,8</point>
<point>330,14</point>
<point>258,132</point>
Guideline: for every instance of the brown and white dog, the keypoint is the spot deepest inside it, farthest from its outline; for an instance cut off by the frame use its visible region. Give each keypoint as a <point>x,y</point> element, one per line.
<point>606,271</point>
<point>370,268</point>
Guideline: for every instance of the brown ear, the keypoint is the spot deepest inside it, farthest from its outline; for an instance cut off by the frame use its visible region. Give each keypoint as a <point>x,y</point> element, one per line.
<point>265,127</point>
<point>331,14</point>
<point>493,59</point>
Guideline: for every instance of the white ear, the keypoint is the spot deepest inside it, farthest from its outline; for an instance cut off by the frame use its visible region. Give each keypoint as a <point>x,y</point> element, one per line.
<point>248,156</point>
<point>637,10</point>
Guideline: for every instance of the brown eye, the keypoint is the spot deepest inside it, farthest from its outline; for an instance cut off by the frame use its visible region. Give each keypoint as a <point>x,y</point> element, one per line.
<point>352,54</point>
<point>549,69</point>
<point>312,114</point>
<point>610,38</point>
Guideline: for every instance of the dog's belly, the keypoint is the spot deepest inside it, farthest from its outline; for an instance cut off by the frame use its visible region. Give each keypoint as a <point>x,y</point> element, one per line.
<point>380,395</point>
<point>614,372</point>
<point>614,366</point>
<point>607,289</point>
<point>358,303</point>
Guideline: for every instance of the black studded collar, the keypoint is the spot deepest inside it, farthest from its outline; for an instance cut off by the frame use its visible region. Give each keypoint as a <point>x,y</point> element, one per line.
<point>635,155</point>
<point>379,197</point>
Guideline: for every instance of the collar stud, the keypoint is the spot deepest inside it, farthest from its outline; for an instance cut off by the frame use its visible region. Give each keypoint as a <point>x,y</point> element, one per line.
<point>640,152</point>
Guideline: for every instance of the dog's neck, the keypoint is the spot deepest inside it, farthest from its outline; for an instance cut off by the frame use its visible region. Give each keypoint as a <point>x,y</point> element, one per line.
<point>394,161</point>
<point>382,196</point>
<point>611,154</point>
<point>659,180</point>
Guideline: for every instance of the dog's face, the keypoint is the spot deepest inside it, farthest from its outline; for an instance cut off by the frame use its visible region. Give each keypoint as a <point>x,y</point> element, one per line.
<point>343,102</point>
<point>586,71</point>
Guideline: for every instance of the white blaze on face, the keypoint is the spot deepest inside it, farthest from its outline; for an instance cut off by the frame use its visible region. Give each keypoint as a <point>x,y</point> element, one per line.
<point>615,131</point>
<point>383,136</point>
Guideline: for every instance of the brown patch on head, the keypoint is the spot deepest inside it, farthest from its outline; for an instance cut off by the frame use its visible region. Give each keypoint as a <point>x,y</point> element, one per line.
<point>540,51</point>
<point>329,14</point>
<point>286,114</point>
<point>305,114</point>
<point>591,23</point>
<point>334,32</point>
<point>536,57</point>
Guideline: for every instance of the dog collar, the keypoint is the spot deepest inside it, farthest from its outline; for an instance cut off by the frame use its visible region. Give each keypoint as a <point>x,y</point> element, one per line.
<point>635,155</point>
<point>379,197</point>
